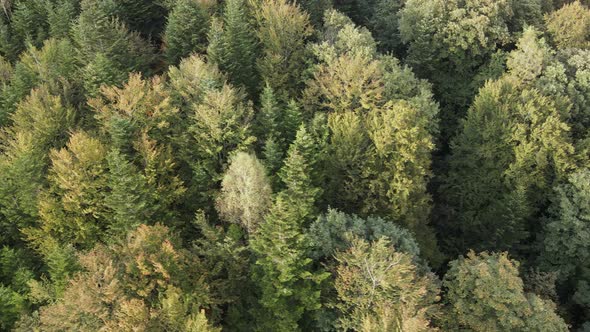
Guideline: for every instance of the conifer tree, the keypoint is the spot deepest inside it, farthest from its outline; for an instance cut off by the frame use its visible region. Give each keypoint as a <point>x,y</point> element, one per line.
<point>232,45</point>
<point>104,43</point>
<point>40,123</point>
<point>186,30</point>
<point>283,271</point>
<point>54,65</point>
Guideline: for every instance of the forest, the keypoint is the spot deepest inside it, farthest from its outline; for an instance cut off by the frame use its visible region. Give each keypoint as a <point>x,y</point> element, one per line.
<point>284,165</point>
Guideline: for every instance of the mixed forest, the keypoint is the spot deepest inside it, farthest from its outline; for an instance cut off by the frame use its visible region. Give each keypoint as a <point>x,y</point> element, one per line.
<point>282,165</point>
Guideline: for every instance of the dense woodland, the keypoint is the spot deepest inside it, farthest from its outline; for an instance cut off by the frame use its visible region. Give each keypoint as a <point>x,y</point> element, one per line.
<point>272,165</point>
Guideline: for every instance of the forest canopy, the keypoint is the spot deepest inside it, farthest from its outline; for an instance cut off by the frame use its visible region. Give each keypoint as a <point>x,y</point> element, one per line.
<point>282,165</point>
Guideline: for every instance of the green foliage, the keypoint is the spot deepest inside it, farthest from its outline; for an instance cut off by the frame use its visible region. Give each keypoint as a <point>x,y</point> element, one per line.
<point>98,32</point>
<point>332,232</point>
<point>283,272</point>
<point>485,293</point>
<point>570,26</point>
<point>232,45</point>
<point>283,29</point>
<point>54,65</point>
<point>513,145</point>
<point>565,249</point>
<point>379,289</point>
<point>186,30</point>
<point>447,43</point>
<point>40,123</point>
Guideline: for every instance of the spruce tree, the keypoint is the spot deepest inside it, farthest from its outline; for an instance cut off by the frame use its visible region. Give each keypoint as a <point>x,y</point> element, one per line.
<point>283,272</point>
<point>186,30</point>
<point>98,33</point>
<point>233,46</point>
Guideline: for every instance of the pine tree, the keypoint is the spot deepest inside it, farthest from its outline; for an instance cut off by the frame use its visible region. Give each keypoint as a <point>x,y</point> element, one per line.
<point>186,30</point>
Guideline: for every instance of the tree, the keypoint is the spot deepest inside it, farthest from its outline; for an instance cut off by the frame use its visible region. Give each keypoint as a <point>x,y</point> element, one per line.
<point>372,104</point>
<point>232,45</point>
<point>569,26</point>
<point>333,231</point>
<point>54,65</point>
<point>245,192</point>
<point>73,210</point>
<point>40,123</point>
<point>283,271</point>
<point>142,283</point>
<point>503,165</point>
<point>380,289</point>
<point>104,43</point>
<point>485,293</point>
<point>216,122</point>
<point>448,42</point>
<point>564,248</point>
<point>186,29</point>
<point>282,29</point>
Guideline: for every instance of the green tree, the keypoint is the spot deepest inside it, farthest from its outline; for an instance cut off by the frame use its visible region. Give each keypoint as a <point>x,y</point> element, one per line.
<point>333,231</point>
<point>186,30</point>
<point>233,44</point>
<point>282,29</point>
<point>448,41</point>
<point>513,145</point>
<point>485,293</point>
<point>54,65</point>
<point>41,122</point>
<point>564,248</point>
<point>104,43</point>
<point>570,26</point>
<point>380,289</point>
<point>245,192</point>
<point>283,272</point>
